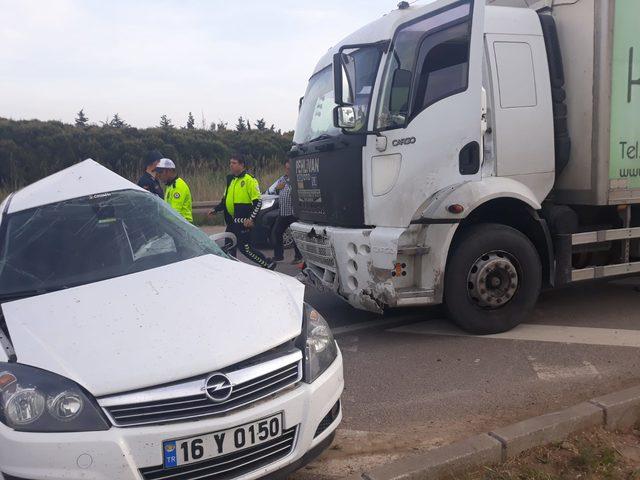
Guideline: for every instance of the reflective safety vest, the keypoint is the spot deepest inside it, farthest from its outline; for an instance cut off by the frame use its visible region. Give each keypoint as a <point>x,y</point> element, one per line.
<point>178,196</point>
<point>240,194</point>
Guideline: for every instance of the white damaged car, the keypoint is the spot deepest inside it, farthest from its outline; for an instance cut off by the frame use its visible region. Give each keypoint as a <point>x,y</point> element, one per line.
<point>132,347</point>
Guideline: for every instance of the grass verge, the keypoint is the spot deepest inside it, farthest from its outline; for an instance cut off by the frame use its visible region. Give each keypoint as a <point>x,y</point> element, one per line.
<point>591,455</point>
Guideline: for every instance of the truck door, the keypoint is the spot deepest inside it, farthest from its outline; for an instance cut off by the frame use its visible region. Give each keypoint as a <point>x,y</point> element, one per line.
<point>428,107</point>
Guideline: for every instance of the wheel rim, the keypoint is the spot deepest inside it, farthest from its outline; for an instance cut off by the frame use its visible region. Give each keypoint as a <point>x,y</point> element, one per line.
<point>287,238</point>
<point>493,280</point>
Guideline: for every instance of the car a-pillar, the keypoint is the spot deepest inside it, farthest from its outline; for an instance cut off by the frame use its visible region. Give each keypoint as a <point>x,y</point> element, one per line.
<point>500,258</point>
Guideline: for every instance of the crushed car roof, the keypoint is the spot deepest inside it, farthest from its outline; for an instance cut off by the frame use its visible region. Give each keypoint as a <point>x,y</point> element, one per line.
<point>82,179</point>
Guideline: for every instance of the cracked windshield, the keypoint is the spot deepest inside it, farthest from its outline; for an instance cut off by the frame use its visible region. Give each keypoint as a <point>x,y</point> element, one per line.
<point>93,238</point>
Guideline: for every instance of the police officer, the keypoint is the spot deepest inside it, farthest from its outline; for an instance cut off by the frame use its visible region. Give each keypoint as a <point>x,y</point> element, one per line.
<point>177,194</point>
<point>241,203</point>
<point>148,180</point>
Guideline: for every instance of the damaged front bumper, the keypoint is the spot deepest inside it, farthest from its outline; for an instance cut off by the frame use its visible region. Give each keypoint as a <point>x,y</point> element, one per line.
<point>373,269</point>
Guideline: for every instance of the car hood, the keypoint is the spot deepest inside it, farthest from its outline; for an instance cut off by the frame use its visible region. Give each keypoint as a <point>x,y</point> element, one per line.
<point>157,326</point>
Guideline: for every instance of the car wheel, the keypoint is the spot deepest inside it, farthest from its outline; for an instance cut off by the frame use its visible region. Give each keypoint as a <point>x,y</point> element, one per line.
<point>493,279</point>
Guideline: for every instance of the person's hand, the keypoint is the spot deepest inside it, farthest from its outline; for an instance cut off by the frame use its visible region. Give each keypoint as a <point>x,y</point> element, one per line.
<point>248,223</point>
<point>280,186</point>
<point>211,212</point>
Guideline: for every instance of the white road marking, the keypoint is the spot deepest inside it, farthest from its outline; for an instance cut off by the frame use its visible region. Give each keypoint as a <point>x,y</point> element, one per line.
<point>386,322</point>
<point>561,372</point>
<point>536,333</point>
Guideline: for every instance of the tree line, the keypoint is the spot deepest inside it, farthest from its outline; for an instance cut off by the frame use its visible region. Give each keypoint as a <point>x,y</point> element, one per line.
<point>33,149</point>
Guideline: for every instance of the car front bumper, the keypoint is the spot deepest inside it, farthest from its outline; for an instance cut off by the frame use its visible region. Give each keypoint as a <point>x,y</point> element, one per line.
<point>121,453</point>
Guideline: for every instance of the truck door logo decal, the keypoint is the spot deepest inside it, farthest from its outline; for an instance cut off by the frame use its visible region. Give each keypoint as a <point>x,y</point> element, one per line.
<point>404,141</point>
<point>632,82</point>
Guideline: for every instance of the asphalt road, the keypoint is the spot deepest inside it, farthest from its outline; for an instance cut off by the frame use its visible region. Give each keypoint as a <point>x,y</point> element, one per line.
<point>413,381</point>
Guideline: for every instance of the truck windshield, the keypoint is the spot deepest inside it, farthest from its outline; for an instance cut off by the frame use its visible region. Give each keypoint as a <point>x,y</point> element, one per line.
<point>315,120</point>
<point>93,238</point>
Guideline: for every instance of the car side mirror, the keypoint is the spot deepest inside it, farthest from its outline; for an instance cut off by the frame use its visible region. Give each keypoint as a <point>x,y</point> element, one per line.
<point>225,240</point>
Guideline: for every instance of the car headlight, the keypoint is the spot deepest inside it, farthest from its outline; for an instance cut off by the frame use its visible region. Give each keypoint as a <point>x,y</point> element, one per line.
<point>320,349</point>
<point>34,400</point>
<point>267,204</point>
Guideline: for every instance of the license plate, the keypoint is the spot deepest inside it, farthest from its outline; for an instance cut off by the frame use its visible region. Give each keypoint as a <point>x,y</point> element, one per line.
<point>204,447</point>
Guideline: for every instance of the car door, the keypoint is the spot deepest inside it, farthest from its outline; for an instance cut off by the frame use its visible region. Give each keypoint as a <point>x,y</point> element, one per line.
<point>428,112</point>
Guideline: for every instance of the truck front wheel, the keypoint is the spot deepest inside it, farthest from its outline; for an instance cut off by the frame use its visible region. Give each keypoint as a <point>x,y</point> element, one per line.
<point>492,280</point>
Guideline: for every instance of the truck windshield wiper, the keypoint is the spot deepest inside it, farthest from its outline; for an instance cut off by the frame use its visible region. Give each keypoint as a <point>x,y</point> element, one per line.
<point>324,136</point>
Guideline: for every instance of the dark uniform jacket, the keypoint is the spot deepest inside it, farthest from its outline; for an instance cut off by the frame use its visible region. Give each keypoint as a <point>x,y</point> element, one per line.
<point>150,183</point>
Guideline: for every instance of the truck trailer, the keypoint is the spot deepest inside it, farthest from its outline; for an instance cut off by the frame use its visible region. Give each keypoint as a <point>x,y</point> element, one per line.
<point>472,153</point>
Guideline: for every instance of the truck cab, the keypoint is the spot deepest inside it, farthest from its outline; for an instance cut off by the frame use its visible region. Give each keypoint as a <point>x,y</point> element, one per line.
<point>425,157</point>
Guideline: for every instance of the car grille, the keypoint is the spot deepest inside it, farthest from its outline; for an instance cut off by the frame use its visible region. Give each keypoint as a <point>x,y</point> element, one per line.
<point>316,249</point>
<point>188,400</point>
<point>229,466</point>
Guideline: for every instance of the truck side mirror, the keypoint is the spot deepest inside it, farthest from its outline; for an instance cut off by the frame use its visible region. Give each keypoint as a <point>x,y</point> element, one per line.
<point>341,84</point>
<point>345,117</point>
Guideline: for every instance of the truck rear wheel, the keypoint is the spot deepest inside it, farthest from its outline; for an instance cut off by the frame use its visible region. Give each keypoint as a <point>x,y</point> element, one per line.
<point>493,279</point>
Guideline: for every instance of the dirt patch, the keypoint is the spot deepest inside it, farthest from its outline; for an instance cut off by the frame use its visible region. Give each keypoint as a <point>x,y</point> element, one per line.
<point>592,455</point>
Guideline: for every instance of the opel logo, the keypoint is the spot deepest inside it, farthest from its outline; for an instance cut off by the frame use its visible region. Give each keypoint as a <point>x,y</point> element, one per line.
<point>218,387</point>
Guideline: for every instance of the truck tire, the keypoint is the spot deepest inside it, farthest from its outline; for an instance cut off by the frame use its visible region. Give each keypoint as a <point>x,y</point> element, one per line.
<point>493,279</point>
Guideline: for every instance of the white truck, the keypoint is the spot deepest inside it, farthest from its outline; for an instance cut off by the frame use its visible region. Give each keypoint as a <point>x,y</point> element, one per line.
<point>445,153</point>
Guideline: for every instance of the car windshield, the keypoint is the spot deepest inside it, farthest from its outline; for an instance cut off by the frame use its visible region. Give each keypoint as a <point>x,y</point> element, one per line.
<point>93,238</point>
<point>315,119</point>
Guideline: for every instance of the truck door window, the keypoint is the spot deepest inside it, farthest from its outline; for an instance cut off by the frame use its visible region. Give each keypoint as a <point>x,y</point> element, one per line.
<point>443,65</point>
<point>405,63</point>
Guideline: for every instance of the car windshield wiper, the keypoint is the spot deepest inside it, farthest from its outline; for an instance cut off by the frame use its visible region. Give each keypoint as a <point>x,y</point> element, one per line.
<point>6,297</point>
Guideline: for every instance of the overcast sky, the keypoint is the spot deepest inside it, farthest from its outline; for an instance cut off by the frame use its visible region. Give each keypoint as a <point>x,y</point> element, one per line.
<point>145,58</point>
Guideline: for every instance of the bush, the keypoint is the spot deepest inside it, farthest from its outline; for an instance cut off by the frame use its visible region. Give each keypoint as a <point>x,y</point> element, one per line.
<point>32,149</point>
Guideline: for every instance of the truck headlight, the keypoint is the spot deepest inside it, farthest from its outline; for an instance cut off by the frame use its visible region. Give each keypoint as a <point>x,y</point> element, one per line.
<point>319,346</point>
<point>34,400</point>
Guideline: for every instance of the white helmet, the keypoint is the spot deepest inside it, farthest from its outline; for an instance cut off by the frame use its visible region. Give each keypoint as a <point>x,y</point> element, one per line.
<point>166,163</point>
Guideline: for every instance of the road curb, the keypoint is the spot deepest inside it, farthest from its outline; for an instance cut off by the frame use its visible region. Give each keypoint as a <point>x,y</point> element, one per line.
<point>616,411</point>
<point>548,428</point>
<point>478,450</point>
<point>621,409</point>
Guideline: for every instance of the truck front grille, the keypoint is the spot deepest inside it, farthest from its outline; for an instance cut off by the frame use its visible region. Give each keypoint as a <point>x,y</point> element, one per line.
<point>229,466</point>
<point>188,400</point>
<point>315,249</point>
